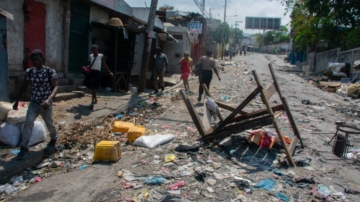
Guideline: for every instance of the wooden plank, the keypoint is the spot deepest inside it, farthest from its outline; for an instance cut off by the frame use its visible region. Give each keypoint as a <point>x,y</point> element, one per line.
<point>283,143</point>
<point>208,94</point>
<point>286,106</point>
<point>193,114</point>
<point>257,113</point>
<point>277,114</point>
<point>292,121</point>
<point>275,81</point>
<point>292,146</point>
<point>239,127</point>
<point>229,108</point>
<point>270,91</point>
<point>222,124</point>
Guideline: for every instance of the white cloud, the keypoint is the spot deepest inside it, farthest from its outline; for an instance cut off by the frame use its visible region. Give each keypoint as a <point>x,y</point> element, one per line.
<point>241,8</point>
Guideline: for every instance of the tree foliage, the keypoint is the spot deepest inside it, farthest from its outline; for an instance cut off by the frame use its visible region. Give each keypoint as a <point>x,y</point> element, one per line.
<point>324,24</point>
<point>274,37</point>
<point>221,31</point>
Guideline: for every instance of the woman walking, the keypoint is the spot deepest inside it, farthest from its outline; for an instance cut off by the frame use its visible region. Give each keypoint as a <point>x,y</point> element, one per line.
<point>186,66</point>
<point>208,66</point>
<point>93,80</point>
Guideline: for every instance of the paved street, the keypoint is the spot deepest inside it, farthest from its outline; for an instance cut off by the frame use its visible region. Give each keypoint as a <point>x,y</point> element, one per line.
<point>99,182</point>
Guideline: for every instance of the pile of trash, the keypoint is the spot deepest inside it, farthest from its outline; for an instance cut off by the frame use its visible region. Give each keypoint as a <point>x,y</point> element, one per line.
<point>12,123</point>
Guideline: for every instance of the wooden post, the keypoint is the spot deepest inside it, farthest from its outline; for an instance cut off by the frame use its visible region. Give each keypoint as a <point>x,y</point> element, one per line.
<point>147,47</point>
<point>269,109</point>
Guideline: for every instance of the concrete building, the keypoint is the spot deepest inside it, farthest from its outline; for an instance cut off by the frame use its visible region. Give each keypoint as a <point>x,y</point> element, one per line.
<point>175,49</point>
<point>45,25</point>
<point>64,30</point>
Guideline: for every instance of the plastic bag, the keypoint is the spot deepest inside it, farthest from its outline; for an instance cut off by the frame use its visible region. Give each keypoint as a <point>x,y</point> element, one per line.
<point>5,107</point>
<point>267,184</point>
<point>16,116</point>
<point>38,134</point>
<point>213,107</point>
<point>153,141</point>
<point>10,134</point>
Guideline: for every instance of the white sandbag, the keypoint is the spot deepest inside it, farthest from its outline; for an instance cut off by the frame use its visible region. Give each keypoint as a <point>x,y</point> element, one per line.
<point>335,66</point>
<point>10,134</point>
<point>38,134</point>
<point>153,140</point>
<point>17,116</point>
<point>5,107</point>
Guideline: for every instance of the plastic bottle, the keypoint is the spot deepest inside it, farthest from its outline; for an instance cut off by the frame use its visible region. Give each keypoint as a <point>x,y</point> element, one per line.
<point>177,185</point>
<point>83,167</point>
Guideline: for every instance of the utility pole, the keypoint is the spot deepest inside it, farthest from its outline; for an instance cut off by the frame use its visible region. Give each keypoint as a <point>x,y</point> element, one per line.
<point>224,34</point>
<point>147,47</point>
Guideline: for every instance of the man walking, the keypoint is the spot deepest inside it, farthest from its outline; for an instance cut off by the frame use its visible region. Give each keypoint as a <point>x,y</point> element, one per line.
<point>160,65</point>
<point>43,80</point>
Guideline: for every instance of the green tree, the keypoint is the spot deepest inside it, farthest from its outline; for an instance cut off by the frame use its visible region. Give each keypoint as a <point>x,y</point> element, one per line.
<point>323,24</point>
<point>237,34</point>
<point>221,30</point>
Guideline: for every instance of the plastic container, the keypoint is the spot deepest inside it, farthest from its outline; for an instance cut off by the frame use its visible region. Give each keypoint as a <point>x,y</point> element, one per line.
<point>122,127</point>
<point>107,151</point>
<point>135,132</point>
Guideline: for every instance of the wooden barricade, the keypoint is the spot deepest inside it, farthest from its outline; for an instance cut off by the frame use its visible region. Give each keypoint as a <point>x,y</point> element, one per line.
<point>239,120</point>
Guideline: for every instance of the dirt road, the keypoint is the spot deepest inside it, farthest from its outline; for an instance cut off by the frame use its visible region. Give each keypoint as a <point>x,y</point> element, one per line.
<point>99,182</point>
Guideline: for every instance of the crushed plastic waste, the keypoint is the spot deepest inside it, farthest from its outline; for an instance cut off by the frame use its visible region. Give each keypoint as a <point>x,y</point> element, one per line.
<point>154,180</point>
<point>267,184</point>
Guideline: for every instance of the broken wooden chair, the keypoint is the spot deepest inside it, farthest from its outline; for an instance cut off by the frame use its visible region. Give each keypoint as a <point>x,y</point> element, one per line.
<point>239,120</point>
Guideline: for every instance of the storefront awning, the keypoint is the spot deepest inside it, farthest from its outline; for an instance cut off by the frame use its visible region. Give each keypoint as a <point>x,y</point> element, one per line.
<point>164,36</point>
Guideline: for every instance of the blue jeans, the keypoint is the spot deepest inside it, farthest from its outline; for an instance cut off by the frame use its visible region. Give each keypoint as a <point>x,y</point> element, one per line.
<point>33,112</point>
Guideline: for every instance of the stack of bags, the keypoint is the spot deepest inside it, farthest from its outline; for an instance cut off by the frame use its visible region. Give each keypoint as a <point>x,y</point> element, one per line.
<point>12,124</point>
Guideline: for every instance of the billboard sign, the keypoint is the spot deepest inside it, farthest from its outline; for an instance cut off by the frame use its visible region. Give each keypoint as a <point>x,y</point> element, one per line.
<point>195,27</point>
<point>262,23</point>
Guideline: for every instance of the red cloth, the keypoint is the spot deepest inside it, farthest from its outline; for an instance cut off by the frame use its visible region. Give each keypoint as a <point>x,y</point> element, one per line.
<point>185,68</point>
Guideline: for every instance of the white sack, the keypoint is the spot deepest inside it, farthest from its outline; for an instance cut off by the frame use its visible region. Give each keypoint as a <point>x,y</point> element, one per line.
<point>10,134</point>
<point>5,107</point>
<point>153,141</point>
<point>38,134</point>
<point>17,116</point>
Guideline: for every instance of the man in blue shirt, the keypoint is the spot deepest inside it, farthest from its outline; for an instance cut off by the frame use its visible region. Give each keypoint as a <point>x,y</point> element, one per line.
<point>160,65</point>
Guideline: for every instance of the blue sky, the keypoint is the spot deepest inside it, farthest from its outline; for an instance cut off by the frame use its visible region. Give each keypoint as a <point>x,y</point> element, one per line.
<point>241,8</point>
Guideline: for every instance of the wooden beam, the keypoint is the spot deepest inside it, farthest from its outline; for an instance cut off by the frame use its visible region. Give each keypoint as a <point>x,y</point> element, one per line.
<point>276,85</point>
<point>265,101</point>
<point>239,127</point>
<point>222,124</point>
<point>292,122</point>
<point>193,113</point>
<point>229,108</point>
<point>270,91</point>
<point>257,113</point>
<point>292,146</point>
<point>206,90</point>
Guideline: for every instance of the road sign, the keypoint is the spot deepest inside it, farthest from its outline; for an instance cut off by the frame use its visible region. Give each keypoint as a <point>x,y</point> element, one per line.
<point>195,27</point>
<point>262,23</point>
